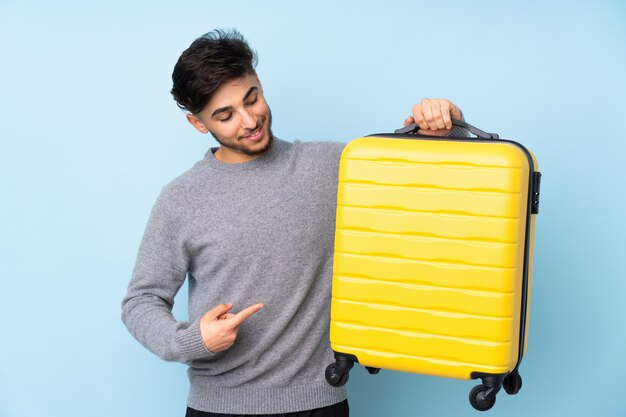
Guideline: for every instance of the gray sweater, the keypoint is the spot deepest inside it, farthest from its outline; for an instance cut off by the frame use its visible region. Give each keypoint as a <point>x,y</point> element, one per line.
<point>255,232</point>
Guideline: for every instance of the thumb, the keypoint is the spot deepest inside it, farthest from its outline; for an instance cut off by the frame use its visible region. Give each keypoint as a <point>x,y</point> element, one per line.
<point>218,311</point>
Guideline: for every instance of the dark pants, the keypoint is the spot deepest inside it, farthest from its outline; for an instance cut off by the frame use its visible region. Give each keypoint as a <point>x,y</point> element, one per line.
<point>336,410</point>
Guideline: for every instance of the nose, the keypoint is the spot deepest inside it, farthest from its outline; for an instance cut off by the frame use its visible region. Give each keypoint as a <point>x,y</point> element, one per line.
<point>248,120</point>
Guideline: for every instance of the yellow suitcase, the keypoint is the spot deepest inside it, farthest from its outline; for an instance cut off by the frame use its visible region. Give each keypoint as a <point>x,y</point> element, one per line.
<point>433,258</point>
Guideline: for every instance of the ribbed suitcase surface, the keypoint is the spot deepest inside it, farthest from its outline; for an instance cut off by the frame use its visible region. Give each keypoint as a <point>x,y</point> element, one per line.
<point>430,254</point>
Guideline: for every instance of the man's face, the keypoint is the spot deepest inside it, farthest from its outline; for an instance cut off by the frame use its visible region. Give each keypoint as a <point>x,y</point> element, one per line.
<point>239,118</point>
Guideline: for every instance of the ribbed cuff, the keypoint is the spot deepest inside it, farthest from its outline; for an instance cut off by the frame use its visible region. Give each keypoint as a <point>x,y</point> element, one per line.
<point>192,346</point>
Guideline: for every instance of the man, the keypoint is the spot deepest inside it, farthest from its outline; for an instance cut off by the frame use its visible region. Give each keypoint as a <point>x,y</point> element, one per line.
<point>251,227</point>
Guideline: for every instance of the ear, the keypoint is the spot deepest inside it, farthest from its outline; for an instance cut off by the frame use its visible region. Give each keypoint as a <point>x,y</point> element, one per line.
<point>197,123</point>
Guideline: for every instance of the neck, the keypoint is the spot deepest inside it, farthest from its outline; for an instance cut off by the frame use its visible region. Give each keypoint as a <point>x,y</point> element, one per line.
<point>226,155</point>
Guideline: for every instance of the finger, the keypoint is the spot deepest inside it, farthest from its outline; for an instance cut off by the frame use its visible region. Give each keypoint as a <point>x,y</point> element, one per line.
<point>409,120</point>
<point>418,116</point>
<point>245,313</point>
<point>437,114</point>
<point>446,114</point>
<point>219,310</point>
<point>226,316</point>
<point>429,119</point>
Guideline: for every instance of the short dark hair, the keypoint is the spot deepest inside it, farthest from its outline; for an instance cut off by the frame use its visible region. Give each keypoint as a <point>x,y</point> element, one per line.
<point>212,59</point>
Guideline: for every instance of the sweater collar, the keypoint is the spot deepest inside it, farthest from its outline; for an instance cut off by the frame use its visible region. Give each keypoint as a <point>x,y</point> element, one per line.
<point>278,147</point>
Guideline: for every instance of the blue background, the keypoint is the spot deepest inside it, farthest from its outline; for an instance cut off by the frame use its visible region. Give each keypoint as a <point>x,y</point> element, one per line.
<point>89,134</point>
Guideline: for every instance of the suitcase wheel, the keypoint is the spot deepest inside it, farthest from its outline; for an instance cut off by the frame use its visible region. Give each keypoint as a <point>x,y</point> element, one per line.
<point>337,376</point>
<point>372,371</point>
<point>512,383</point>
<point>482,398</point>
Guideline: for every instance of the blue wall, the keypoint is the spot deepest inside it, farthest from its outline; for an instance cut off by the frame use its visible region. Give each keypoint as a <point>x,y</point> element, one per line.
<point>89,134</point>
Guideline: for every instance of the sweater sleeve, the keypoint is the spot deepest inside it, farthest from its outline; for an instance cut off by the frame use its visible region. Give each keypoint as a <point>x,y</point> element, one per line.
<point>159,272</point>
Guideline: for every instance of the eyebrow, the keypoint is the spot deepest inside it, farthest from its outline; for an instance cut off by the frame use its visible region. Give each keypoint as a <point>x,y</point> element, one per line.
<point>229,108</point>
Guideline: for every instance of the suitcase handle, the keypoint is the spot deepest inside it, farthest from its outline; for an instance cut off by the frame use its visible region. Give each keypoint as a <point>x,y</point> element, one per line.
<point>413,128</point>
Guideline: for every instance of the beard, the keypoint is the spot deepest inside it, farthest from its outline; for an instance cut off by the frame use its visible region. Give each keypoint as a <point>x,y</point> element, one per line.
<point>240,147</point>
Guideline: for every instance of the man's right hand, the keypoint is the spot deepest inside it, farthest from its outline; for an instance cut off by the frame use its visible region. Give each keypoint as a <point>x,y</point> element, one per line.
<point>219,327</point>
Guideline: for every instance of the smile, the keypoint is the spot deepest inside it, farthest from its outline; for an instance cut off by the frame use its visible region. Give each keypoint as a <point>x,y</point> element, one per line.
<point>257,135</point>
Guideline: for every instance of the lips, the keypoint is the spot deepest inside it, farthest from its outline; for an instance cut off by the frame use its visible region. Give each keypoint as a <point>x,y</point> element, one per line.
<point>256,135</point>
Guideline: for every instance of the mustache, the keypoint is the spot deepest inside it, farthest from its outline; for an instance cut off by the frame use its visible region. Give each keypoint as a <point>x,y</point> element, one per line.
<point>259,123</point>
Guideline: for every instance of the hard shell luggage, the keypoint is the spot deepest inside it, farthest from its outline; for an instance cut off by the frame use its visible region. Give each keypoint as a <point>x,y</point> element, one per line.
<point>433,257</point>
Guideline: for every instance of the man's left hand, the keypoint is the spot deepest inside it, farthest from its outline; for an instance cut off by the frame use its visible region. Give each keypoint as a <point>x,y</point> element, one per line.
<point>434,116</point>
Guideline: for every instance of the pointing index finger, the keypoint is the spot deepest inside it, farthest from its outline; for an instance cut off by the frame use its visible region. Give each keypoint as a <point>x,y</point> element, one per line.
<point>245,313</point>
